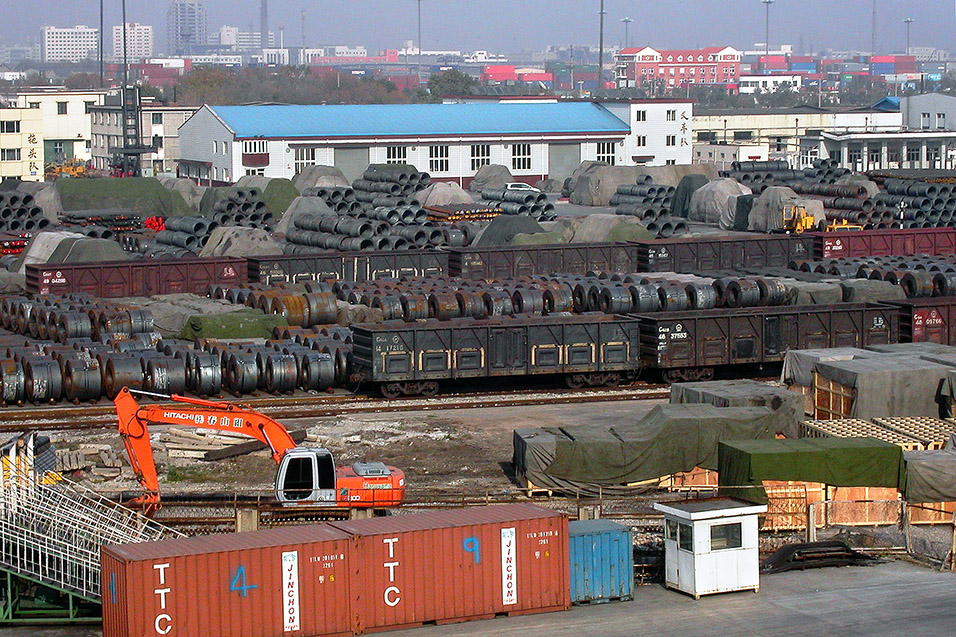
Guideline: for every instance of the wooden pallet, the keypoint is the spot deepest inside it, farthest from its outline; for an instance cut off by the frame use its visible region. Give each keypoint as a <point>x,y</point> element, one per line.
<point>855,428</point>
<point>932,432</point>
<point>532,490</point>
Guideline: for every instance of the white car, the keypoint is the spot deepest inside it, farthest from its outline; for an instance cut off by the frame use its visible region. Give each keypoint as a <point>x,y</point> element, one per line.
<point>517,185</point>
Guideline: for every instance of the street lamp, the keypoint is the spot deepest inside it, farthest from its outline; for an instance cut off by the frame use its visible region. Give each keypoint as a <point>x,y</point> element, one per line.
<point>908,22</point>
<point>419,42</point>
<point>767,4</point>
<point>627,22</point>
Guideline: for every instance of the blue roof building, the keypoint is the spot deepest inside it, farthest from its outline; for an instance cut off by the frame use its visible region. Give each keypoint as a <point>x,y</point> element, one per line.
<point>451,141</point>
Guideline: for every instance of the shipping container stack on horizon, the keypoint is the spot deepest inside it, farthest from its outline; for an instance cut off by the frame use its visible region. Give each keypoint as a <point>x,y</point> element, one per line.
<point>342,578</point>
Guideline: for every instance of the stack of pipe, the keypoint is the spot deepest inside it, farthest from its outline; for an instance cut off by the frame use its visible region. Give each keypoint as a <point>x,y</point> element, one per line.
<point>19,213</point>
<point>520,202</point>
<point>652,204</point>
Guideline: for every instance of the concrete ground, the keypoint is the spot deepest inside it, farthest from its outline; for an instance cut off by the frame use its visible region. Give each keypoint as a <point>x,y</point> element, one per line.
<point>890,599</point>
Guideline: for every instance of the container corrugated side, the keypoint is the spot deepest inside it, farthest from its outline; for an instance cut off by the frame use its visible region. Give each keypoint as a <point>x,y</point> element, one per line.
<point>447,566</point>
<point>291,581</point>
<point>601,561</point>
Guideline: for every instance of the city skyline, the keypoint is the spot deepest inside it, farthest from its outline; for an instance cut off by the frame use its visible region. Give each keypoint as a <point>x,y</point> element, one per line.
<point>815,24</point>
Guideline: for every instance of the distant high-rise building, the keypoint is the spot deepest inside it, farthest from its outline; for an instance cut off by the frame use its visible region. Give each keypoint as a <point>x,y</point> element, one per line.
<point>71,44</point>
<point>139,41</point>
<point>238,40</point>
<point>185,26</point>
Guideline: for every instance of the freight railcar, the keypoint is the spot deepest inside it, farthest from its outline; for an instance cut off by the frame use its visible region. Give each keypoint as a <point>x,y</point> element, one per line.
<point>411,358</point>
<point>402,358</point>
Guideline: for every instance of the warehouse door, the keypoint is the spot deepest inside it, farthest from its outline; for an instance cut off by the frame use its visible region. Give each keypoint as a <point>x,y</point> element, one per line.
<point>563,159</point>
<point>352,161</point>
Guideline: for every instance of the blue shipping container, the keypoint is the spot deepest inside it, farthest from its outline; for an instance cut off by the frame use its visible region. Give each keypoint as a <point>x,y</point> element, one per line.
<point>602,563</point>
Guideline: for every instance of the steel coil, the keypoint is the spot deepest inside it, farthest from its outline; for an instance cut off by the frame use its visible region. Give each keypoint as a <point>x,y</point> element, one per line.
<point>672,297</point>
<point>701,296</point>
<point>12,382</point>
<point>443,306</point>
<point>122,371</point>
<point>528,301</point>
<point>166,376</point>
<point>497,303</point>
<point>317,371</point>
<point>342,354</point>
<point>243,373</point>
<point>81,381</point>
<point>743,293</point>
<point>615,300</point>
<point>321,307</point>
<point>470,304</point>
<point>772,291</point>
<point>390,306</point>
<point>414,307</point>
<point>558,299</point>
<point>43,381</point>
<point>917,284</point>
<point>282,373</point>
<point>944,284</point>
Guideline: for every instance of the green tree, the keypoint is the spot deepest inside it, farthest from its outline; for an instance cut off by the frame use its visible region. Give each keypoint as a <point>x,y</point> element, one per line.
<point>81,81</point>
<point>451,82</point>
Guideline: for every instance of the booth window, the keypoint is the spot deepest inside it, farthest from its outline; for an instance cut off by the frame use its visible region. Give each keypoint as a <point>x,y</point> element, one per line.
<point>725,536</point>
<point>685,537</point>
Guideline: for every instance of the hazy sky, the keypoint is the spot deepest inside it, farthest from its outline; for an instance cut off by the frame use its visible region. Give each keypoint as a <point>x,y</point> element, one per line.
<point>513,25</point>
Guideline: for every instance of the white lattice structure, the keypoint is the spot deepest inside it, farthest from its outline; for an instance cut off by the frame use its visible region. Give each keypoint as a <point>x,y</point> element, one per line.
<point>52,532</point>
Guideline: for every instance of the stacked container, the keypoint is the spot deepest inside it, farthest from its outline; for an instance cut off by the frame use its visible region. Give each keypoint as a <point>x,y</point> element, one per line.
<point>341,578</point>
<point>602,564</point>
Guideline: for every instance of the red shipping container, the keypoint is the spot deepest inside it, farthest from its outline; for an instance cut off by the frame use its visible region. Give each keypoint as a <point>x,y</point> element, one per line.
<point>536,77</point>
<point>288,581</point>
<point>449,566</point>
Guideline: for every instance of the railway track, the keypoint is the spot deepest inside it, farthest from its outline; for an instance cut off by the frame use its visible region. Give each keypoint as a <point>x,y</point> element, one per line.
<point>103,414</point>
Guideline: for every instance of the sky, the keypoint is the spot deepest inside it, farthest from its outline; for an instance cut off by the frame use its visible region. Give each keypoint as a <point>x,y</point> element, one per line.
<point>503,26</point>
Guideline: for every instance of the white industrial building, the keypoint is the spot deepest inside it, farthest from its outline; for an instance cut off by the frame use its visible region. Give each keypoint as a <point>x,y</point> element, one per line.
<point>751,84</point>
<point>69,44</point>
<point>861,152</point>
<point>139,42</point>
<point>66,120</point>
<point>219,144</point>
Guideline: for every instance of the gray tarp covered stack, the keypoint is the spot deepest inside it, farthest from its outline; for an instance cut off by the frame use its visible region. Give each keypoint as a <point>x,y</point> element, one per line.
<point>889,385</point>
<point>670,439</point>
<point>680,203</point>
<point>931,475</point>
<point>745,393</point>
<point>716,202</point>
<point>798,363</point>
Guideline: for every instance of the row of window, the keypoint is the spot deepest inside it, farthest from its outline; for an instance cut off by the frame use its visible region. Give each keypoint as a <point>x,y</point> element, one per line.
<point>115,118</point>
<point>10,126</point>
<point>722,536</point>
<point>926,117</point>
<point>9,154</point>
<point>439,156</point>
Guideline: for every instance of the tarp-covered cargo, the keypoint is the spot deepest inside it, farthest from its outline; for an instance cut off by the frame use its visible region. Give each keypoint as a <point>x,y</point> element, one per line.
<point>931,475</point>
<point>716,202</point>
<point>839,462</point>
<point>798,363</point>
<point>144,195</point>
<point>888,385</point>
<point>866,291</point>
<point>745,393</point>
<point>241,324</point>
<point>680,203</point>
<point>670,439</point>
<point>913,349</point>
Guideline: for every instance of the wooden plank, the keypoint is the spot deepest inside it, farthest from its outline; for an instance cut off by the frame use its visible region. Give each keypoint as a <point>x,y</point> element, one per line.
<point>243,448</point>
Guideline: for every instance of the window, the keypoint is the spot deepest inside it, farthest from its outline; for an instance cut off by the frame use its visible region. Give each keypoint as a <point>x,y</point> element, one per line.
<point>89,105</point>
<point>61,108</point>
<point>157,141</point>
<point>480,156</point>
<point>725,536</point>
<point>438,159</point>
<point>854,156</point>
<point>521,156</point>
<point>256,171</point>
<point>685,537</point>
<point>156,119</point>
<point>874,155</point>
<point>671,140</point>
<point>605,152</point>
<point>670,162</point>
<point>304,156</point>
<point>924,120</point>
<point>706,136</point>
<point>12,126</point>
<point>33,105</point>
<point>743,135</point>
<point>913,154</point>
<point>640,116</point>
<point>255,147</point>
<point>780,144</point>
<point>396,154</point>
<point>672,116</point>
<point>9,154</point>
<point>940,120</point>
<point>670,530</point>
<point>215,147</point>
<point>640,141</point>
<point>58,148</point>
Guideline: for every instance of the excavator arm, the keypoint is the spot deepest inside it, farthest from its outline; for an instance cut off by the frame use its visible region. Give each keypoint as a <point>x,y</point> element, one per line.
<point>134,422</point>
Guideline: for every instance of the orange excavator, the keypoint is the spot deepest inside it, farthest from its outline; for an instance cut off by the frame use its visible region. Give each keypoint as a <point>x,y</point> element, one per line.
<point>306,476</point>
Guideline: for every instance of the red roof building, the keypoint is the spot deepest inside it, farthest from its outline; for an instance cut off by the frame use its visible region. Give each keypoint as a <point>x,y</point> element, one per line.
<point>667,70</point>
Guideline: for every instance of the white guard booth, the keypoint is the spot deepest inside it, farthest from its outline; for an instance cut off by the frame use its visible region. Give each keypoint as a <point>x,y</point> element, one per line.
<point>710,545</point>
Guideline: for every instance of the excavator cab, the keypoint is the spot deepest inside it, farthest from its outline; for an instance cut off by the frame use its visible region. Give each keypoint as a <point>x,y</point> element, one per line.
<point>306,475</point>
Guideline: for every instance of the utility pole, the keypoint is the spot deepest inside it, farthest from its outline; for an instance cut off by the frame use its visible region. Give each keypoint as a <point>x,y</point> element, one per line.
<point>627,22</point>
<point>601,51</point>
<point>767,4</point>
<point>873,31</point>
<point>908,22</point>
<point>302,56</point>
<point>101,44</point>
<point>419,42</point>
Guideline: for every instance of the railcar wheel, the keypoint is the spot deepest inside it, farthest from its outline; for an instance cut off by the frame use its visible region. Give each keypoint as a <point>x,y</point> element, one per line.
<point>574,381</point>
<point>391,390</point>
<point>612,380</point>
<point>707,373</point>
<point>429,389</point>
<point>673,375</point>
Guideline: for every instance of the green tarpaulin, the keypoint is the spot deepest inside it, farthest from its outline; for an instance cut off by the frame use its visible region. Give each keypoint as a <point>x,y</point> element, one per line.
<point>241,324</point>
<point>670,439</point>
<point>839,462</point>
<point>145,196</point>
